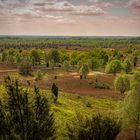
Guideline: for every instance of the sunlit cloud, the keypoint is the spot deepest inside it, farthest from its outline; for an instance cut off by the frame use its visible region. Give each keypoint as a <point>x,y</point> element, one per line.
<point>70,17</point>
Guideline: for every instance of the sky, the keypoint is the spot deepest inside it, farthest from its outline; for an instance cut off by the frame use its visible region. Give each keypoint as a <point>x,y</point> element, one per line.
<point>70,17</point>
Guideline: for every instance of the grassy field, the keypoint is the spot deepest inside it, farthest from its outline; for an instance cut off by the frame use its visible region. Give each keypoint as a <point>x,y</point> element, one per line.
<point>70,106</point>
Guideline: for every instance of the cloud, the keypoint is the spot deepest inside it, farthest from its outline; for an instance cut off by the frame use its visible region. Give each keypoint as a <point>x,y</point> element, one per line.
<point>135,4</point>
<point>68,8</point>
<point>87,11</point>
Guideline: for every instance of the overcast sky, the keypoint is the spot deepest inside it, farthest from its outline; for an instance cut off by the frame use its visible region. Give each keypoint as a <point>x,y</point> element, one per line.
<point>70,17</point>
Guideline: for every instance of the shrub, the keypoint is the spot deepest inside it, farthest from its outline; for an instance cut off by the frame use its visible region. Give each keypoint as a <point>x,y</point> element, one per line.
<point>25,68</point>
<point>95,128</point>
<point>127,66</point>
<point>88,104</point>
<point>122,83</point>
<point>84,70</point>
<point>39,75</point>
<point>66,65</point>
<point>101,85</point>
<point>54,91</point>
<point>114,66</point>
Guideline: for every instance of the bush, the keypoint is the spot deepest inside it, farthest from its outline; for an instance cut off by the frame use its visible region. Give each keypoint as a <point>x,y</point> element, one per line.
<point>114,66</point>
<point>101,85</point>
<point>54,91</point>
<point>66,66</point>
<point>84,70</point>
<point>127,66</point>
<point>122,83</point>
<point>25,69</point>
<point>39,75</point>
<point>95,128</point>
<point>88,104</point>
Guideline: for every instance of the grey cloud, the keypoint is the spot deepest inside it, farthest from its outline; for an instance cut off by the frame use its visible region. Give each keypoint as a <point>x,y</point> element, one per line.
<point>134,4</point>
<point>66,7</point>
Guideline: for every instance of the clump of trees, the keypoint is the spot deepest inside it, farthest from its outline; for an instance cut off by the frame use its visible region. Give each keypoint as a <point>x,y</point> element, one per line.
<point>95,128</point>
<point>130,108</point>
<point>114,66</point>
<point>25,115</point>
<point>122,83</point>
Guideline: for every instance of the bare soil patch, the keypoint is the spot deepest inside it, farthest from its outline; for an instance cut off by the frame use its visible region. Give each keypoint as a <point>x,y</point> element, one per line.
<point>67,82</point>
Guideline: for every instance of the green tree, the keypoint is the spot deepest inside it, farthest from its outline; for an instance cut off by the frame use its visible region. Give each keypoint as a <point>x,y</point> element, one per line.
<point>64,56</point>
<point>4,56</point>
<point>130,108</point>
<point>12,55</point>
<point>95,128</point>
<point>127,66</point>
<point>47,60</point>
<point>135,60</point>
<point>74,58</point>
<point>93,63</point>
<point>114,66</point>
<point>36,55</point>
<point>25,68</point>
<point>84,70</point>
<point>26,115</point>
<point>122,83</point>
<point>66,65</point>
<point>54,90</point>
<point>54,55</point>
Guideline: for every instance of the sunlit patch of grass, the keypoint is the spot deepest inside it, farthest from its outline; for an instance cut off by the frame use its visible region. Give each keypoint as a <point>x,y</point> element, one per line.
<point>69,105</point>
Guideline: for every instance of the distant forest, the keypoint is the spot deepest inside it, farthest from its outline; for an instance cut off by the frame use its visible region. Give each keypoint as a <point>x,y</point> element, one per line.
<point>68,41</point>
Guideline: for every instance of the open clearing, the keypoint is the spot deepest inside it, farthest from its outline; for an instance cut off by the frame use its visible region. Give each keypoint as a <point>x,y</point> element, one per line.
<point>67,81</point>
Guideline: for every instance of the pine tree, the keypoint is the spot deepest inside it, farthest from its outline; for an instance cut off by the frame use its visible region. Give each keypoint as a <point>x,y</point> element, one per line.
<point>27,115</point>
<point>54,91</point>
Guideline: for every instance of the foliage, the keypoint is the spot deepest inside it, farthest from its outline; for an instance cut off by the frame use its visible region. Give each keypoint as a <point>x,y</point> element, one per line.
<point>114,66</point>
<point>66,65</point>
<point>84,70</point>
<point>93,63</point>
<point>25,116</point>
<point>52,64</point>
<point>54,55</point>
<point>122,83</point>
<point>36,56</point>
<point>64,56</point>
<point>25,68</point>
<point>101,85</point>
<point>130,108</point>
<point>135,60</point>
<point>95,128</point>
<point>127,66</point>
<point>54,90</point>
<point>39,75</point>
